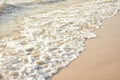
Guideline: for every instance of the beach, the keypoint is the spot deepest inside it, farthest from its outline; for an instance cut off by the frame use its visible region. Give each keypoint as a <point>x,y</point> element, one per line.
<point>101,59</point>
<point>59,40</point>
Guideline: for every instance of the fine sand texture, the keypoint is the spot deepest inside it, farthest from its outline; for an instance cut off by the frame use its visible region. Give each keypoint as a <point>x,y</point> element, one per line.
<point>101,59</point>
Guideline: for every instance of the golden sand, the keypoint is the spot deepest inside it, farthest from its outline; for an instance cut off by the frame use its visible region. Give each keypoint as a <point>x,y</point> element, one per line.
<point>101,59</point>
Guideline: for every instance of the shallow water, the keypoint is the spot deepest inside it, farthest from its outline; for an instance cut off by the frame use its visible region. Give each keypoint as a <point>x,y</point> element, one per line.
<point>12,11</point>
<point>49,35</point>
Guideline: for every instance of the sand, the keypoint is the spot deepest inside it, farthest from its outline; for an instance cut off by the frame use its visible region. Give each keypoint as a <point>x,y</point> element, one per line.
<point>101,59</point>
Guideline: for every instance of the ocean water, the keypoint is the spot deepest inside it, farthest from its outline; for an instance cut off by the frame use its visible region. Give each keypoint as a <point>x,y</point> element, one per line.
<point>49,36</point>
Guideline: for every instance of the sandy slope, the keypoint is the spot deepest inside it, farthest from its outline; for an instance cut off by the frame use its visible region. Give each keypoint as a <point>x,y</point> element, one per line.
<point>101,59</point>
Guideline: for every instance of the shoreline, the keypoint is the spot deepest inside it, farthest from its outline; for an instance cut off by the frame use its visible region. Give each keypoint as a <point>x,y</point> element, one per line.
<point>42,29</point>
<point>97,62</point>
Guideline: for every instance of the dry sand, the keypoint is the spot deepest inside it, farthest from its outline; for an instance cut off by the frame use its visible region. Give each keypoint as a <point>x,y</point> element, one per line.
<point>101,59</point>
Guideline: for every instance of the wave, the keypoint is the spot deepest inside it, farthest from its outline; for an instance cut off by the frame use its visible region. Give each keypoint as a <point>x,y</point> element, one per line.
<point>8,8</point>
<point>47,42</point>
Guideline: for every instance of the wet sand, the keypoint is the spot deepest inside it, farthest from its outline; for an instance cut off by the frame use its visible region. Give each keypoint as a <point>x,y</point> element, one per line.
<point>101,59</point>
